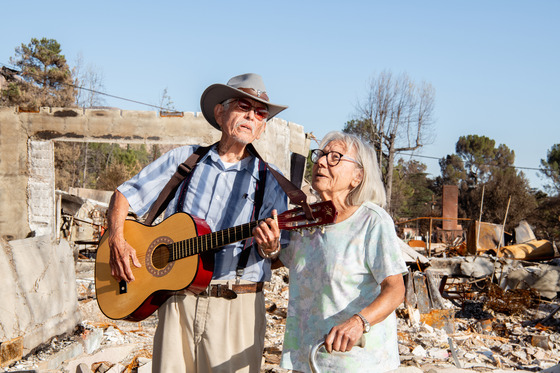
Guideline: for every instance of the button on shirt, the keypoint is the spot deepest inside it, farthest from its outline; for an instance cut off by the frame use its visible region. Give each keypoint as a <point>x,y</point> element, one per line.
<point>223,197</point>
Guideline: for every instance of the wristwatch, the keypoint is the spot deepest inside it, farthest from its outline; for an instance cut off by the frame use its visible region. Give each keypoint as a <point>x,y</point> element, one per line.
<point>366,323</point>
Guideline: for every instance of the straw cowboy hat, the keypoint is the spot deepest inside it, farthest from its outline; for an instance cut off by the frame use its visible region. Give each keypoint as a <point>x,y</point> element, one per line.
<point>241,86</point>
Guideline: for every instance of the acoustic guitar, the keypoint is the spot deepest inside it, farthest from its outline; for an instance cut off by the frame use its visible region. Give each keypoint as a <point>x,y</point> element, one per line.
<point>177,254</point>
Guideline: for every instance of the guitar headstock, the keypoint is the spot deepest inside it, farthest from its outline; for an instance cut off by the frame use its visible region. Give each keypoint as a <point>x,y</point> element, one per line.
<point>324,213</point>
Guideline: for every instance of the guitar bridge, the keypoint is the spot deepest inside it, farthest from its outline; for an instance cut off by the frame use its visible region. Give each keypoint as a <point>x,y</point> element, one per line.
<point>123,287</point>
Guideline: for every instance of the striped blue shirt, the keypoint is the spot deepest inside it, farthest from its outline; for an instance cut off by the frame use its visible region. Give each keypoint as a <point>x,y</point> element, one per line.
<point>223,197</point>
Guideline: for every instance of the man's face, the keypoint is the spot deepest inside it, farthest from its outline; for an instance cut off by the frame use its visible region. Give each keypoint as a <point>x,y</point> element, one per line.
<point>242,119</point>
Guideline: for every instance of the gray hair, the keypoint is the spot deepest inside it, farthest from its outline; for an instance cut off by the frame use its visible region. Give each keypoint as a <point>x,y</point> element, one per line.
<point>371,187</point>
<point>226,103</point>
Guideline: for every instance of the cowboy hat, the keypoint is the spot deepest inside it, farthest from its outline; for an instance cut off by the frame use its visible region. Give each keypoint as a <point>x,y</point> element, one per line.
<point>241,86</point>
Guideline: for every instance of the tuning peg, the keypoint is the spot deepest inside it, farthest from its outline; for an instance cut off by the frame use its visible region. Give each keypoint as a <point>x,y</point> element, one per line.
<point>322,229</point>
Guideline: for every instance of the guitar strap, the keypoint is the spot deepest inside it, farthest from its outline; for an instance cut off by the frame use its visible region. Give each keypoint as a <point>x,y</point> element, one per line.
<point>170,188</point>
<point>296,195</point>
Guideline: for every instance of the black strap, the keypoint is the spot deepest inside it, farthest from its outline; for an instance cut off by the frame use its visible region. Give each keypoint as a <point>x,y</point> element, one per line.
<point>296,195</point>
<point>258,202</point>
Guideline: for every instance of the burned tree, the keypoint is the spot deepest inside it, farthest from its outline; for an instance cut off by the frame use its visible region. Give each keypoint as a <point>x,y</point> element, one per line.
<point>395,116</point>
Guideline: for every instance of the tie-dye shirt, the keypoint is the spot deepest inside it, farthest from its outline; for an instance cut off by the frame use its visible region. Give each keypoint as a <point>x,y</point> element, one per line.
<point>334,274</point>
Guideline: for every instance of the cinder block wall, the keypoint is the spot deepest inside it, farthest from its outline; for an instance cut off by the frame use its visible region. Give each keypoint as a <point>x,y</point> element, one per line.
<point>26,139</point>
<point>40,187</point>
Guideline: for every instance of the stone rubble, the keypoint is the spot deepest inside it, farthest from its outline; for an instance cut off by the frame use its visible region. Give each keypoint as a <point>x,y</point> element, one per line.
<point>498,343</point>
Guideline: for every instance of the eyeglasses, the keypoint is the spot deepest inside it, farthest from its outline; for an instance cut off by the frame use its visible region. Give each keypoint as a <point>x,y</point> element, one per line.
<point>244,105</point>
<point>333,158</point>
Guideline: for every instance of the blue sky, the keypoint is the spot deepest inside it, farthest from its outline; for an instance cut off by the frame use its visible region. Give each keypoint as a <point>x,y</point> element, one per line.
<point>494,64</point>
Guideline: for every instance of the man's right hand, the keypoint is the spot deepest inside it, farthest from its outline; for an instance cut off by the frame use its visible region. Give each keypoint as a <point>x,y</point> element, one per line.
<point>121,253</point>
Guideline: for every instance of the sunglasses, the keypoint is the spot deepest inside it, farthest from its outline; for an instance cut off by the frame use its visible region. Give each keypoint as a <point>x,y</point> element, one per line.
<point>261,113</point>
<point>333,158</point>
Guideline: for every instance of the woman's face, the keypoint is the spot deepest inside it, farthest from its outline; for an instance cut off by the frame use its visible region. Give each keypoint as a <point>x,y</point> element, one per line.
<point>335,182</point>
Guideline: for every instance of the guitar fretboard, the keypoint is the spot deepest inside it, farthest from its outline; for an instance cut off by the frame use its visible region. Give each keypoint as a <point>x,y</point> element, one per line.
<point>200,244</point>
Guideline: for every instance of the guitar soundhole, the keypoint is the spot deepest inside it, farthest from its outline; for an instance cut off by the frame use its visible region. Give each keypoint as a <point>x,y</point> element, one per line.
<point>160,257</point>
<point>157,257</point>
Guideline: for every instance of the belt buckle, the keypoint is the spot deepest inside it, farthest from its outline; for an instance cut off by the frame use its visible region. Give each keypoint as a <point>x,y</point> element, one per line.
<point>223,291</point>
<point>206,292</point>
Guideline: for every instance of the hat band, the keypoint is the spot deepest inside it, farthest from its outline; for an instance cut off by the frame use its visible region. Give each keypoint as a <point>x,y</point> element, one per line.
<point>255,92</point>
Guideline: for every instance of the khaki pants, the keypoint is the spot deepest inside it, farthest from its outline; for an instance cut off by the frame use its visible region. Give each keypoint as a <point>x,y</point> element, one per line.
<point>200,334</point>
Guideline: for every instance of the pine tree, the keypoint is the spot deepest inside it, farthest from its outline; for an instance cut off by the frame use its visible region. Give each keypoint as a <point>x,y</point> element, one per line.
<point>46,77</point>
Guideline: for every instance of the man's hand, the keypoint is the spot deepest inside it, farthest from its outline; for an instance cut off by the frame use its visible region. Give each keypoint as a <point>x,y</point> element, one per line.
<point>267,235</point>
<point>121,253</point>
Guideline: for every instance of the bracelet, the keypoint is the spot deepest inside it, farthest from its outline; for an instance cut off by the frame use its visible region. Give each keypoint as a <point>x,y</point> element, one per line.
<point>271,255</point>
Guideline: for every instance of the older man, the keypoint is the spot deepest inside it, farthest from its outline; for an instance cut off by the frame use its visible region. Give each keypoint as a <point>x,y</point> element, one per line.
<point>222,329</point>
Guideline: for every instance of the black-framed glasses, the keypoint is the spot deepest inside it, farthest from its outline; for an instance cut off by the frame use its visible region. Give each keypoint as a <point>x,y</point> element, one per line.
<point>333,158</point>
<point>244,105</point>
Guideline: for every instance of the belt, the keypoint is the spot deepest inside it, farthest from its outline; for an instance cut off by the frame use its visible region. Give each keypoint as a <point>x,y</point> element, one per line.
<point>223,291</point>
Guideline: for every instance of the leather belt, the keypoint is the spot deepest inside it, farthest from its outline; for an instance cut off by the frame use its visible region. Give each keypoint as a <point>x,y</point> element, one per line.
<point>223,291</point>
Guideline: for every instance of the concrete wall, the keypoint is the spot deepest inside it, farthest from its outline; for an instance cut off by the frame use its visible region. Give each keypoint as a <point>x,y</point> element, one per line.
<point>38,290</point>
<point>27,177</point>
<point>13,176</point>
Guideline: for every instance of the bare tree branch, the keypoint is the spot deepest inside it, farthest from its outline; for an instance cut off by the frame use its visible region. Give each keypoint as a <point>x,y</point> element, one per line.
<point>396,116</point>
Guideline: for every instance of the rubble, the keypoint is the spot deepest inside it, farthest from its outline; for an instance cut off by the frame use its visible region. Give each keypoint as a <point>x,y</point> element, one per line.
<point>484,338</point>
<point>468,308</point>
<point>498,310</point>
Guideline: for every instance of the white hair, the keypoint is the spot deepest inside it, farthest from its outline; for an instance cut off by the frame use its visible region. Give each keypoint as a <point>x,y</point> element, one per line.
<point>371,187</point>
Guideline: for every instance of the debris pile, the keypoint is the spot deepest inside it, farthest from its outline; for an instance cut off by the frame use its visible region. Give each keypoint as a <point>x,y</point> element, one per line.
<point>488,329</point>
<point>471,304</point>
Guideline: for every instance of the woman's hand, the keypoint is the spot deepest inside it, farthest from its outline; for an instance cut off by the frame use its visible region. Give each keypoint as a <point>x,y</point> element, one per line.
<point>344,336</point>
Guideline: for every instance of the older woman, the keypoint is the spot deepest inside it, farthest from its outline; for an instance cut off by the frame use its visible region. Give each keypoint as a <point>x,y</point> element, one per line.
<point>345,280</point>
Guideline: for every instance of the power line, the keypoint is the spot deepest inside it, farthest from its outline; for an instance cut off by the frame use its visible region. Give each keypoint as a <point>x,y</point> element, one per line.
<point>419,156</point>
<point>438,158</point>
<point>94,91</point>
<point>118,97</point>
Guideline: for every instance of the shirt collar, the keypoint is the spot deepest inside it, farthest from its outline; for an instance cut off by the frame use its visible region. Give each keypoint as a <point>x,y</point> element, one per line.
<point>250,163</point>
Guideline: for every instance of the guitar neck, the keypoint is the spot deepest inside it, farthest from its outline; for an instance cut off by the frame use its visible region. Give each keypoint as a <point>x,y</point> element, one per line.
<point>208,242</point>
<point>325,213</point>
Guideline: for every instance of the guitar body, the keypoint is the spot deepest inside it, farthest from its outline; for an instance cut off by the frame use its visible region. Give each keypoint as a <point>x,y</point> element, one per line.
<point>158,277</point>
<point>177,254</point>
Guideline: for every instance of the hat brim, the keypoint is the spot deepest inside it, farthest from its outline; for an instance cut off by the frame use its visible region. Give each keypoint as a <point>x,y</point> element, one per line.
<point>218,93</point>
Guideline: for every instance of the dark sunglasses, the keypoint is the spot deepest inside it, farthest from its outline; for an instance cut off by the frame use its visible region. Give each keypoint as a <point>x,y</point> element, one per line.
<point>261,113</point>
<point>333,158</point>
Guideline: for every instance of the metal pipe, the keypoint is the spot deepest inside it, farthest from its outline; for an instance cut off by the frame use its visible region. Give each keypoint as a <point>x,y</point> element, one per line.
<point>479,221</point>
